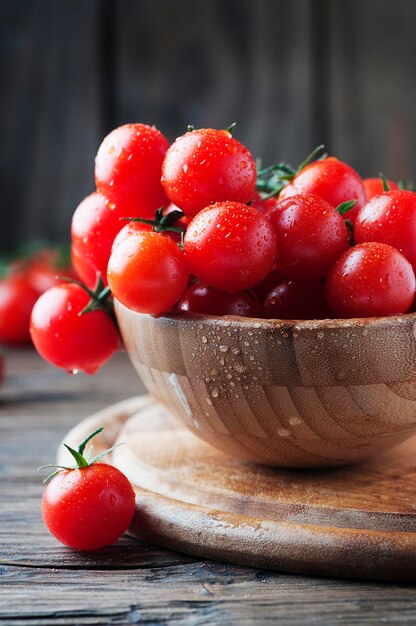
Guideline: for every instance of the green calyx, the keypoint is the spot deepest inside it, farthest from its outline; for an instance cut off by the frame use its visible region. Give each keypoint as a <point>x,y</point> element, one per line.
<point>406,185</point>
<point>344,207</point>
<point>271,180</point>
<point>100,296</point>
<point>81,460</point>
<point>231,127</point>
<point>163,222</point>
<point>386,186</point>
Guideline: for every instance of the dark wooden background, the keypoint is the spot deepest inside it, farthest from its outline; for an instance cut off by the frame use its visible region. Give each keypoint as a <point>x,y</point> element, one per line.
<point>291,73</point>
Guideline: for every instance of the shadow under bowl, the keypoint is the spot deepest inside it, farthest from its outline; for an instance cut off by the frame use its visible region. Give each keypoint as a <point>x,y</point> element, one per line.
<point>282,393</point>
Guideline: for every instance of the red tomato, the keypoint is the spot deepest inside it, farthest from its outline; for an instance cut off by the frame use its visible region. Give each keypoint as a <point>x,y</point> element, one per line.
<point>17,298</point>
<point>272,279</point>
<point>311,235</point>
<point>205,166</point>
<point>200,298</point>
<point>374,186</point>
<point>258,203</point>
<point>94,227</point>
<point>230,246</point>
<point>88,508</point>
<point>331,180</point>
<point>128,168</point>
<point>83,268</point>
<point>390,218</point>
<point>370,280</point>
<point>147,271</point>
<point>67,339</point>
<point>296,300</point>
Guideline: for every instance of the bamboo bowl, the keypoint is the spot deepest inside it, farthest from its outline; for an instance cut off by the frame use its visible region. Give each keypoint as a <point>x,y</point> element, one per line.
<point>281,393</point>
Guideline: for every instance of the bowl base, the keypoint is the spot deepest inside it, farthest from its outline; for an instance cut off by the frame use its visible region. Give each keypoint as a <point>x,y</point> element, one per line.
<point>354,522</point>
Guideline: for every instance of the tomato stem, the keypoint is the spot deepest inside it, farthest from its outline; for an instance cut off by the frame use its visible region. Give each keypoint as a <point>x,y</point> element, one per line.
<point>163,222</point>
<point>310,157</point>
<point>231,127</point>
<point>344,207</point>
<point>386,186</point>
<point>79,457</point>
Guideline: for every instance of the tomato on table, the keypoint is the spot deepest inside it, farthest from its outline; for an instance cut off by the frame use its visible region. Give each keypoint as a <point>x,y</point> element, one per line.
<point>90,505</point>
<point>371,279</point>
<point>17,299</point>
<point>205,166</point>
<point>230,246</point>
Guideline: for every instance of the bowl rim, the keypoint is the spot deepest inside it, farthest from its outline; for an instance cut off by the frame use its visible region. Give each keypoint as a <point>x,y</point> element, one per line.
<point>260,322</point>
<point>275,322</point>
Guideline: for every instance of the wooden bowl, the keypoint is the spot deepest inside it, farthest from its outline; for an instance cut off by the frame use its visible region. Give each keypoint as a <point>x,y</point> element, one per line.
<point>281,393</point>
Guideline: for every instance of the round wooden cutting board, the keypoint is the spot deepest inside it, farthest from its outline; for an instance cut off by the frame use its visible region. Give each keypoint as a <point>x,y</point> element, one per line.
<point>357,521</point>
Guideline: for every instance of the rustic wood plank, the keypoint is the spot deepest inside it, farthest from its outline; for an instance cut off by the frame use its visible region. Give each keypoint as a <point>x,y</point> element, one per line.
<point>196,594</point>
<point>211,63</point>
<point>43,583</point>
<point>372,87</point>
<point>50,119</point>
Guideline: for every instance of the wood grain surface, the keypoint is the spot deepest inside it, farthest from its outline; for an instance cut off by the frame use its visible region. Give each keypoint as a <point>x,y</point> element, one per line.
<point>282,393</point>
<point>292,74</point>
<point>45,584</point>
<point>353,522</point>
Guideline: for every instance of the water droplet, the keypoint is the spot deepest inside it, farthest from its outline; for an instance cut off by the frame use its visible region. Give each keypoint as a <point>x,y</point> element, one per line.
<point>295,421</point>
<point>282,432</point>
<point>214,393</point>
<point>204,339</point>
<point>223,348</point>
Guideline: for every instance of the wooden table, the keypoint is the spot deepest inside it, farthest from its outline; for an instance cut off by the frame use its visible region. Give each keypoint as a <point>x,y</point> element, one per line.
<point>42,582</point>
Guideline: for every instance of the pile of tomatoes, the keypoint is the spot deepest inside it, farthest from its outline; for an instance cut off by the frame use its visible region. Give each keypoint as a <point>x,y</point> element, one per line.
<point>25,274</point>
<point>199,227</point>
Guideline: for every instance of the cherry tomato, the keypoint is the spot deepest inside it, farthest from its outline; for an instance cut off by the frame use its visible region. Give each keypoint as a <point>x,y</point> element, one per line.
<point>67,339</point>
<point>205,166</point>
<point>42,276</point>
<point>296,300</point>
<point>390,218</point>
<point>230,246</point>
<point>272,279</point>
<point>311,235</point>
<point>94,227</point>
<point>200,298</point>
<point>371,279</point>
<point>147,271</point>
<point>128,168</point>
<point>83,268</point>
<point>374,186</point>
<point>332,180</point>
<point>17,298</point>
<point>88,508</point>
